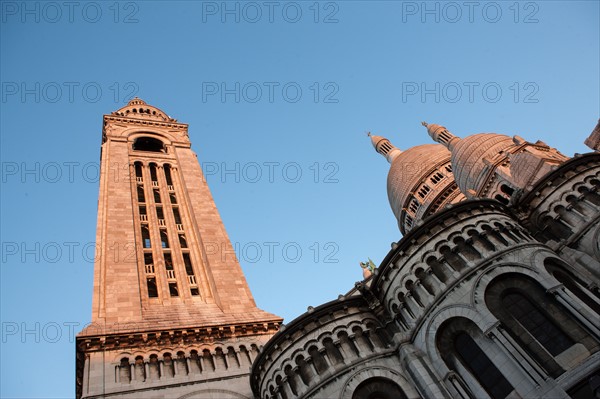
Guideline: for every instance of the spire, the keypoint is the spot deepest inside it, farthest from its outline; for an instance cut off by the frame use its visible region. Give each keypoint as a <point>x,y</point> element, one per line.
<point>441,135</point>
<point>384,147</point>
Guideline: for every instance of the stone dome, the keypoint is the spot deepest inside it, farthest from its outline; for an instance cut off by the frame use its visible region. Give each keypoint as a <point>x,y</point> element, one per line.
<point>408,172</point>
<point>468,155</point>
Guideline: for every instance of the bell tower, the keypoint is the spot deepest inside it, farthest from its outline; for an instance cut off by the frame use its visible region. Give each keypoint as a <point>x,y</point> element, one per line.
<point>171,310</point>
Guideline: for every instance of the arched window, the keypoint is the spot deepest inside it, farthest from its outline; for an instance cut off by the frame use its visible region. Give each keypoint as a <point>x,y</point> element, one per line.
<point>378,388</point>
<point>124,371</point>
<point>545,331</point>
<point>140,370</point>
<point>168,365</point>
<point>573,284</point>
<point>154,367</point>
<point>148,144</point>
<point>537,321</point>
<point>194,362</point>
<point>459,342</point>
<point>481,366</point>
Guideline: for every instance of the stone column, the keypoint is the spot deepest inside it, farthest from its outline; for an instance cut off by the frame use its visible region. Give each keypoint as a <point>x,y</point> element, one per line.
<point>418,366</point>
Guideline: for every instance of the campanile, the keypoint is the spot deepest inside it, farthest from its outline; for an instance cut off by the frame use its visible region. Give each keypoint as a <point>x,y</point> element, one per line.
<point>172,314</point>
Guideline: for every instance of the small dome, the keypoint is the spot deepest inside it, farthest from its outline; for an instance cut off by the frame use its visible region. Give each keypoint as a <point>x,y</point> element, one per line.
<point>139,109</point>
<point>409,175</point>
<point>468,156</point>
<point>136,101</point>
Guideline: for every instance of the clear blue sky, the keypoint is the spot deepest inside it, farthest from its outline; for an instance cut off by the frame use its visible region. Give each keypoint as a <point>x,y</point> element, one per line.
<point>336,70</point>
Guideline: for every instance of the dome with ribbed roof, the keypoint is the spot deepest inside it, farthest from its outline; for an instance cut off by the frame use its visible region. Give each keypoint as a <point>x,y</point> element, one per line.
<point>419,182</point>
<point>469,154</point>
<point>468,157</point>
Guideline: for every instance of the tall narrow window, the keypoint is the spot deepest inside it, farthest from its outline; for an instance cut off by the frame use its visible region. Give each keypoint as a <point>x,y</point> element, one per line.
<point>168,261</point>
<point>140,194</point>
<point>548,334</point>
<point>177,216</point>
<point>143,214</point>
<point>188,264</point>
<point>169,266</point>
<point>148,264</point>
<point>173,198</point>
<point>146,237</point>
<point>160,215</point>
<point>490,378</point>
<point>168,178</point>
<point>182,241</point>
<point>153,175</point>
<point>164,239</point>
<point>139,177</point>
<point>156,196</point>
<point>152,288</point>
<point>153,172</point>
<point>189,270</point>
<point>173,289</point>
<point>465,350</point>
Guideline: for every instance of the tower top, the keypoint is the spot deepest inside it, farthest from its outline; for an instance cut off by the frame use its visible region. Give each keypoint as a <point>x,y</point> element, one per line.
<point>384,147</point>
<point>441,135</point>
<point>137,108</point>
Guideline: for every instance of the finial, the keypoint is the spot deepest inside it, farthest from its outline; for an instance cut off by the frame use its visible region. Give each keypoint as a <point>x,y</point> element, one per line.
<point>440,134</point>
<point>369,134</point>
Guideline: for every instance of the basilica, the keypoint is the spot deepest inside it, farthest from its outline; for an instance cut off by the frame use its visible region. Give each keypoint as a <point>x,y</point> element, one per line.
<point>492,292</point>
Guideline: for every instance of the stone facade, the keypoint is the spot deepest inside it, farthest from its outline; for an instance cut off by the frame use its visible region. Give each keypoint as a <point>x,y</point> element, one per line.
<point>172,314</point>
<point>494,296</point>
